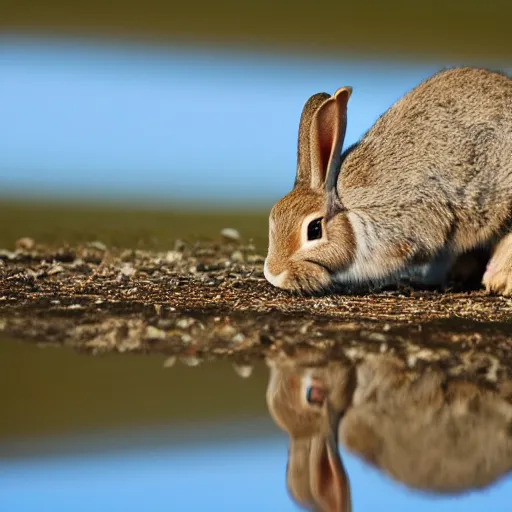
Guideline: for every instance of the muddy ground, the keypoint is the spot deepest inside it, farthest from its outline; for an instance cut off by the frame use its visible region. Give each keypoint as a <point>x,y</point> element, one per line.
<point>207,300</point>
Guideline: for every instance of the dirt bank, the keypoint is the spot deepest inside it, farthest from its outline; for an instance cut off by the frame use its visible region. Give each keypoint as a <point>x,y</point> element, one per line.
<point>210,299</point>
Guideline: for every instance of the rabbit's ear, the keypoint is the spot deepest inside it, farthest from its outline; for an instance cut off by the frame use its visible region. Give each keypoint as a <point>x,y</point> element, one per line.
<point>329,483</point>
<point>297,472</point>
<point>303,176</point>
<point>327,134</point>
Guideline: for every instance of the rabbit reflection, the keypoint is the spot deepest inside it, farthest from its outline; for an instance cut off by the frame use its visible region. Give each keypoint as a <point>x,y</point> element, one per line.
<point>426,430</point>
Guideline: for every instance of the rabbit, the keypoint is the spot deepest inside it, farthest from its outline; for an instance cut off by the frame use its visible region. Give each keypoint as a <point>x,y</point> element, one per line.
<point>429,432</point>
<point>431,180</point>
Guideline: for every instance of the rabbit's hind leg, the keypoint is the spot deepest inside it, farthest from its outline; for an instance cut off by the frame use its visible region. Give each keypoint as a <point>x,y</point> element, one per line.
<point>498,275</point>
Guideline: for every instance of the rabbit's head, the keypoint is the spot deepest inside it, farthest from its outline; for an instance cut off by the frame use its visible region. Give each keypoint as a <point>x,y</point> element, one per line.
<point>309,236</point>
<point>302,404</point>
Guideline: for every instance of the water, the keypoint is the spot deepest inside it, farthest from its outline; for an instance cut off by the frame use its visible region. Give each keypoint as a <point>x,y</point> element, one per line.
<point>161,455</point>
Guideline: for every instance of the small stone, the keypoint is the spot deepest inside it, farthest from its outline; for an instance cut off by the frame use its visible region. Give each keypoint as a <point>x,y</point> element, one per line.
<point>186,339</point>
<point>377,336</point>
<point>227,331</point>
<point>173,256</point>
<point>383,348</point>
<point>304,329</point>
<point>238,338</point>
<point>230,234</point>
<point>184,323</point>
<point>75,306</point>
<point>7,254</point>
<point>56,269</point>
<point>25,244</point>
<point>127,270</point>
<point>255,258</point>
<point>76,263</point>
<point>164,323</point>
<point>99,301</point>
<point>411,360</point>
<point>237,257</point>
<point>55,302</point>
<point>99,246</point>
<point>190,360</point>
<point>170,361</point>
<point>158,308</point>
<point>153,333</point>
<point>244,370</point>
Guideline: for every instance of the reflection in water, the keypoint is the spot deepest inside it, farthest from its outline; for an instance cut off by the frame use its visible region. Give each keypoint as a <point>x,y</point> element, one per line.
<point>426,429</point>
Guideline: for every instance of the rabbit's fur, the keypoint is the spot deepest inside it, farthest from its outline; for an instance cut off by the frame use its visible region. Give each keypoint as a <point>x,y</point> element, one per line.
<point>431,180</point>
<point>426,430</point>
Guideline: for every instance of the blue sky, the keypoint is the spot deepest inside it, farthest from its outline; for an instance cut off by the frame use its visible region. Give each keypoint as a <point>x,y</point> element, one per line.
<point>90,119</point>
<point>244,475</point>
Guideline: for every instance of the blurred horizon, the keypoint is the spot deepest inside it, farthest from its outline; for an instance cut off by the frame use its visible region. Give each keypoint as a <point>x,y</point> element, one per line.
<point>170,125</point>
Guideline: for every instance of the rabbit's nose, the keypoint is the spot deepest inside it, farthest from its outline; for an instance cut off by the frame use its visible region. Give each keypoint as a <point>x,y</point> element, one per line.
<point>275,279</point>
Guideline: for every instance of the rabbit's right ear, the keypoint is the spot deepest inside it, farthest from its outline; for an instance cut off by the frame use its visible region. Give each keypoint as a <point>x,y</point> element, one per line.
<point>315,475</point>
<point>328,480</point>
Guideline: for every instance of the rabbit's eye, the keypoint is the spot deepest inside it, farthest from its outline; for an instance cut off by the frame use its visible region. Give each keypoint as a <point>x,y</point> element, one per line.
<point>315,229</point>
<point>315,395</point>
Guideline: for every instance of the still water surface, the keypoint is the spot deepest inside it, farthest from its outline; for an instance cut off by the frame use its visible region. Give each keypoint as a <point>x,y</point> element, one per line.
<point>121,433</point>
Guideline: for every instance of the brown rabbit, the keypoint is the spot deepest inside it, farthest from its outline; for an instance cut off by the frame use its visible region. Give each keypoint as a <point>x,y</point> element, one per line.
<point>431,180</point>
<point>425,430</point>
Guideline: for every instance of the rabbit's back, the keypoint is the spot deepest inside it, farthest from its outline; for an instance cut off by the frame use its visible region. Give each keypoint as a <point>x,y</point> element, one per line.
<point>447,145</point>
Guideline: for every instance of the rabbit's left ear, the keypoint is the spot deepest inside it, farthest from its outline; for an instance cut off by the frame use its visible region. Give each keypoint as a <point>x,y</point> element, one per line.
<point>327,134</point>
<point>329,482</point>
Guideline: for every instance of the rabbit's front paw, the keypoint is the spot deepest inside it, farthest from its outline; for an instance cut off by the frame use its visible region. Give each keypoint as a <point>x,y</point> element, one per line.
<point>498,274</point>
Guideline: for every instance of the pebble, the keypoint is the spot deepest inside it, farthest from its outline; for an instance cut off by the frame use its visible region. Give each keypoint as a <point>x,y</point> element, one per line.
<point>153,333</point>
<point>237,257</point>
<point>227,331</point>
<point>170,361</point>
<point>173,256</point>
<point>8,254</point>
<point>244,370</point>
<point>186,339</point>
<point>255,258</point>
<point>127,270</point>
<point>190,360</point>
<point>56,269</point>
<point>184,323</point>
<point>25,244</point>
<point>230,234</point>
<point>100,246</point>
<point>238,338</point>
